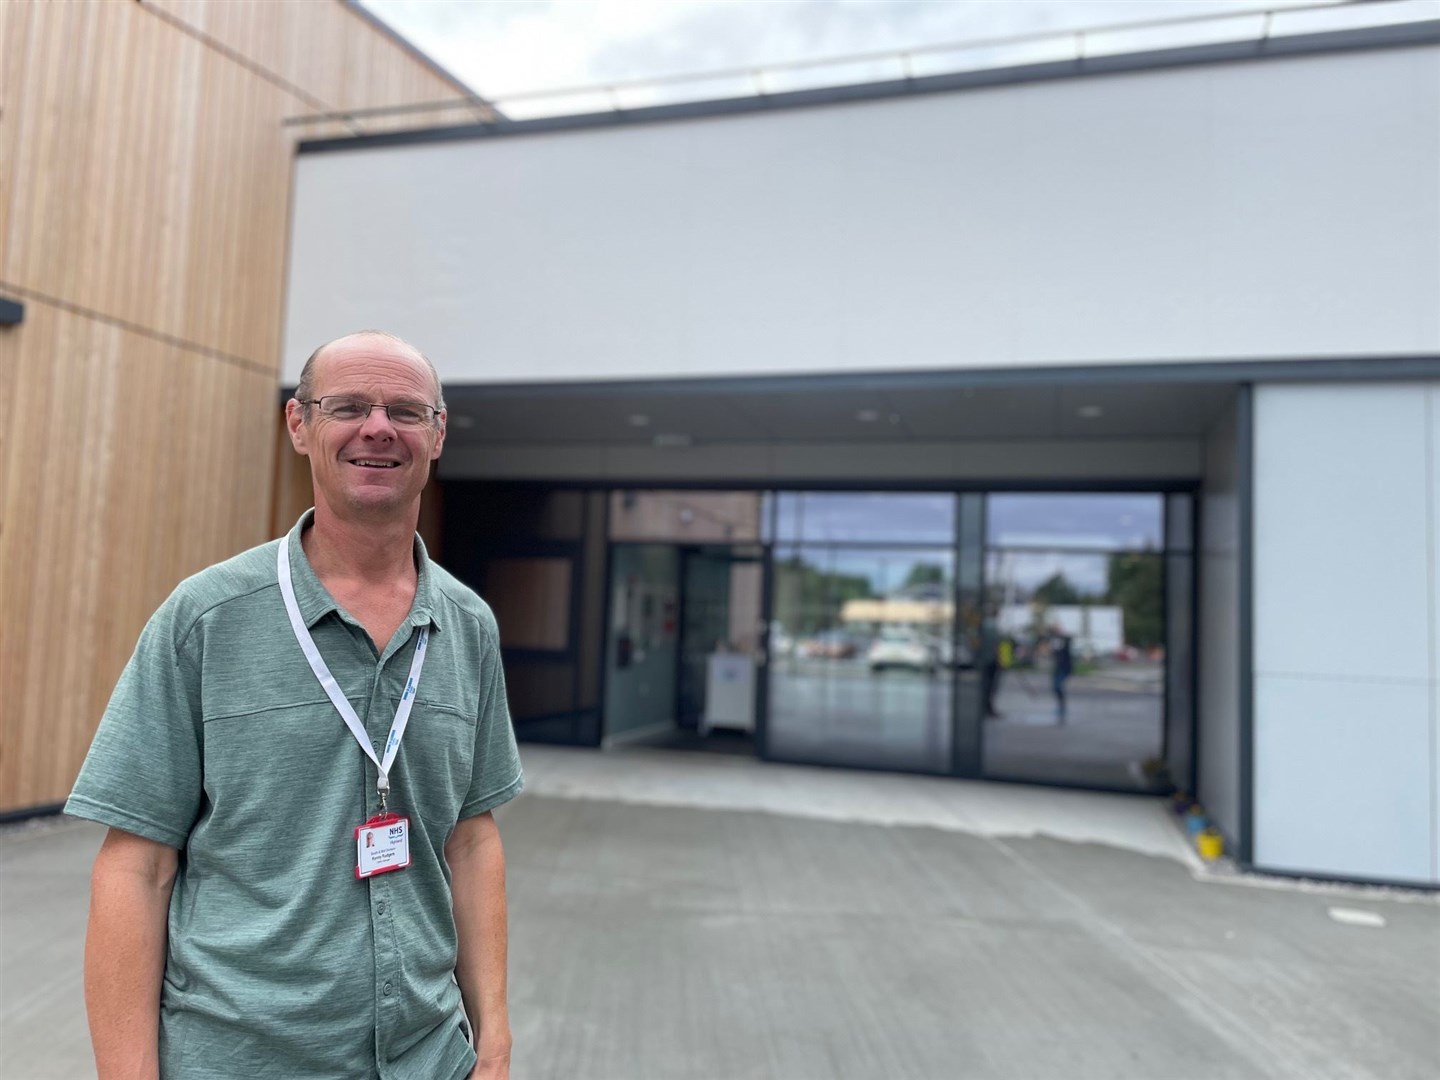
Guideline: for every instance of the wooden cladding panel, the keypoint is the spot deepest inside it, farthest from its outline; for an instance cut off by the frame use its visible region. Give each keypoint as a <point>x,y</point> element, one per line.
<point>147,175</point>
<point>128,467</point>
<point>150,177</point>
<point>14,25</point>
<point>332,54</point>
<point>144,200</point>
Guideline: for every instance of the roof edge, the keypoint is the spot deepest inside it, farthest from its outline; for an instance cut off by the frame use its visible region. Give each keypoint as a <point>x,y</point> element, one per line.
<point>1398,35</point>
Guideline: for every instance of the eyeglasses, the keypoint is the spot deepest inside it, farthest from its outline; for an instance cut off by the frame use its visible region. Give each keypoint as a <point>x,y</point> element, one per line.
<point>345,409</point>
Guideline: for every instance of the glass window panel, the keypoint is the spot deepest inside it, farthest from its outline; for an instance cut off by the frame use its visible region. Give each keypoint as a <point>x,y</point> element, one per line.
<point>686,516</point>
<point>1082,521</point>
<point>1073,661</point>
<point>874,517</point>
<point>862,647</point>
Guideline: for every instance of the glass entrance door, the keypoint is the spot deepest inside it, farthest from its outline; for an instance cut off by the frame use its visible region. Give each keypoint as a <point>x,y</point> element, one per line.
<point>1075,637</point>
<point>720,641</point>
<point>862,630</point>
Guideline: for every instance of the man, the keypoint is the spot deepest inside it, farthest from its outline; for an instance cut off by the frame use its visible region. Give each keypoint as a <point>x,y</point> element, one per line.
<point>238,925</point>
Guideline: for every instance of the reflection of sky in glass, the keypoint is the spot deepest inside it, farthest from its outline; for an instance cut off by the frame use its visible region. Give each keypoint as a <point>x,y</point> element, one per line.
<point>1014,574</point>
<point>886,570</point>
<point>1100,521</point>
<point>817,516</point>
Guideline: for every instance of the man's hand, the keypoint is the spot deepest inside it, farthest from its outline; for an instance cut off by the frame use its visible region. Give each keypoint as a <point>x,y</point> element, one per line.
<point>493,1064</point>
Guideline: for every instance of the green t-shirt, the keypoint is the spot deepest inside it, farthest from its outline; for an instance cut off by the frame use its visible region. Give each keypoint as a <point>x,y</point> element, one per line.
<point>220,741</point>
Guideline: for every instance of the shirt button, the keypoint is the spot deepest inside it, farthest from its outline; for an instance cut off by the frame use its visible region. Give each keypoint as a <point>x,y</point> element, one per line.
<point>385,989</point>
<point>380,908</point>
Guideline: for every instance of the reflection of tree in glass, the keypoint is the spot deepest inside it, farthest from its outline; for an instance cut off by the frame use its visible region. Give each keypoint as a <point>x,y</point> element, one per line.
<point>1055,591</point>
<point>1137,588</point>
<point>922,579</point>
<point>808,599</point>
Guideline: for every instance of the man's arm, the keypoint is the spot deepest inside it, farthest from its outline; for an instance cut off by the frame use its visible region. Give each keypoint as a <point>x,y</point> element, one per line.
<point>477,881</point>
<point>125,949</point>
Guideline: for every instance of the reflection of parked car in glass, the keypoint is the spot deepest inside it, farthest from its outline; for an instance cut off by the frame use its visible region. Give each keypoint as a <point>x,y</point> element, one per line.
<point>781,643</point>
<point>906,649</point>
<point>830,645</point>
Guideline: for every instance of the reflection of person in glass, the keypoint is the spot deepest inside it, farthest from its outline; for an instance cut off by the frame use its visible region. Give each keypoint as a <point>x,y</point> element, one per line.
<point>1063,658</point>
<point>990,666</point>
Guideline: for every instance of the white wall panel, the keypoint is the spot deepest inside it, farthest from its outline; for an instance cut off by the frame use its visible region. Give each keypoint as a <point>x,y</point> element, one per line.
<point>1345,594</point>
<point>1281,209</point>
<point>1342,532</point>
<point>1343,778</point>
<point>1356,218</point>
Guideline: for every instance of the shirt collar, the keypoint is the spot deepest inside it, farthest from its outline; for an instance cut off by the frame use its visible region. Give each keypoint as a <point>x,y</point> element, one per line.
<point>315,601</point>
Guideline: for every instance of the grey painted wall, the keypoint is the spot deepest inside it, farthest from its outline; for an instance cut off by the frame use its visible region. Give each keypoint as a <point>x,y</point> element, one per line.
<point>1347,485</point>
<point>1218,703</point>
<point>642,694</point>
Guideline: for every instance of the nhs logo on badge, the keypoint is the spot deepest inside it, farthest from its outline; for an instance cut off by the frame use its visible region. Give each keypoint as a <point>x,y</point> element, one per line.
<point>397,833</point>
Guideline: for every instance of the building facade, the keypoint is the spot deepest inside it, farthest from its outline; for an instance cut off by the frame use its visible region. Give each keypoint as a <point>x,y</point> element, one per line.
<point>1076,423</point>
<point>1073,423</point>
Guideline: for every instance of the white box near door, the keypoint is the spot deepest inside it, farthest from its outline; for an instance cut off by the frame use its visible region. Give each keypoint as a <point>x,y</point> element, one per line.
<point>729,692</point>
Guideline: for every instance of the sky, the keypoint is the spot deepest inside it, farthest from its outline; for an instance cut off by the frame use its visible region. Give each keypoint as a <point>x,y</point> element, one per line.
<point>504,47</point>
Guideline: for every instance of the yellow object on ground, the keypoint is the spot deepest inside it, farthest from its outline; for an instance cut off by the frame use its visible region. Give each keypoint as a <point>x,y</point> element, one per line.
<point>1210,843</point>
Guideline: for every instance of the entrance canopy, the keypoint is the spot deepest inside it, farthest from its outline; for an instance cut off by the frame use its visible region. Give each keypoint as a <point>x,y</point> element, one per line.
<point>1069,425</point>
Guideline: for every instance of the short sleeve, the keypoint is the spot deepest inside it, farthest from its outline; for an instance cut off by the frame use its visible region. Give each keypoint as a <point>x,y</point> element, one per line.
<point>495,776</point>
<point>143,771</point>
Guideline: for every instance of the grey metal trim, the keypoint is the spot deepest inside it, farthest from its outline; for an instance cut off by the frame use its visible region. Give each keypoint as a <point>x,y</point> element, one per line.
<point>1192,780</point>
<point>602,685</point>
<point>1179,372</point>
<point>12,312</point>
<point>1418,887</point>
<point>1374,37</point>
<point>1245,483</point>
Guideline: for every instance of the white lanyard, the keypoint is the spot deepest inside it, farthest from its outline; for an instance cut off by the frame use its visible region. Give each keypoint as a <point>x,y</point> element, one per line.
<point>332,688</point>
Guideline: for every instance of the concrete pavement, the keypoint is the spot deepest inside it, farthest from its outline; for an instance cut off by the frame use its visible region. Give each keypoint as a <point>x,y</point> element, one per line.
<point>680,916</point>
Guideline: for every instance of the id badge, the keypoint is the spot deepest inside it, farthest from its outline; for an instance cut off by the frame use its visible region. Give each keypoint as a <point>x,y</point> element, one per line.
<point>382,844</point>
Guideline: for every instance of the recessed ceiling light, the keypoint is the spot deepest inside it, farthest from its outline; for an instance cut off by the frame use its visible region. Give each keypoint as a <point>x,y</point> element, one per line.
<point>671,439</point>
<point>1090,412</point>
<point>638,419</point>
<point>867,416</point>
<point>460,420</point>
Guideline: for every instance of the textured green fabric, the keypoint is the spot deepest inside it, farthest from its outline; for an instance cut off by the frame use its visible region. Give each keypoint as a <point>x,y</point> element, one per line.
<point>219,741</point>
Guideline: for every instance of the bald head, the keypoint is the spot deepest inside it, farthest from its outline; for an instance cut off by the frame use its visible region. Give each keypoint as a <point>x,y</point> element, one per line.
<point>305,390</point>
